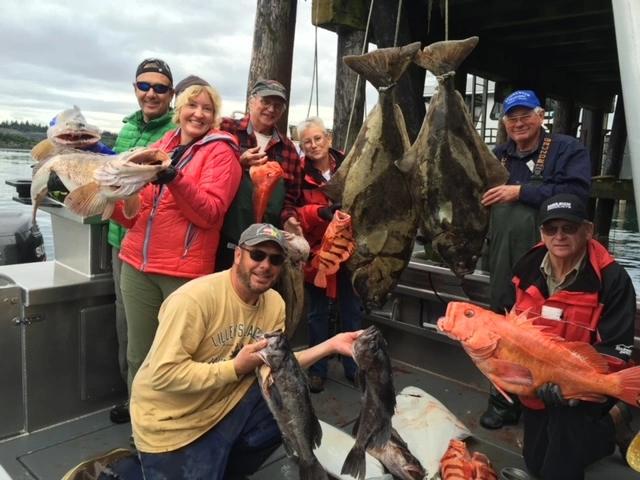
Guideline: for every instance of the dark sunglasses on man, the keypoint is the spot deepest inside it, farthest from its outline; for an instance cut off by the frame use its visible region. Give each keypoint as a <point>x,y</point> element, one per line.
<point>259,255</point>
<point>567,229</point>
<point>157,87</point>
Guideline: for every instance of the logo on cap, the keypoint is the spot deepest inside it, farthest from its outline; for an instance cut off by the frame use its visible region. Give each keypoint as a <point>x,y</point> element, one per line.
<point>268,230</point>
<point>553,206</point>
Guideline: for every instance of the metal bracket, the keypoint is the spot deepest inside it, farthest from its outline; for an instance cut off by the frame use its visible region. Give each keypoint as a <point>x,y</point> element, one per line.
<point>28,320</point>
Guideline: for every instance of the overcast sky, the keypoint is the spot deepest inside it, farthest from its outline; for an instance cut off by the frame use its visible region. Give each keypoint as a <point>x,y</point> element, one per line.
<point>57,53</point>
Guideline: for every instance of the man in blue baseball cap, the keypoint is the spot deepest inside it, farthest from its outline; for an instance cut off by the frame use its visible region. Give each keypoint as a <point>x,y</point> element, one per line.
<point>540,165</point>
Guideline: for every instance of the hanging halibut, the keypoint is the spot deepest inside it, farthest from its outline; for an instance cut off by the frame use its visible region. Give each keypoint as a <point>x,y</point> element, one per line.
<point>372,190</point>
<point>449,167</point>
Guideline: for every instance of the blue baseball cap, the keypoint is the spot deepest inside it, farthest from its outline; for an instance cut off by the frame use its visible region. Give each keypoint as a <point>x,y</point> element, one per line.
<point>521,98</point>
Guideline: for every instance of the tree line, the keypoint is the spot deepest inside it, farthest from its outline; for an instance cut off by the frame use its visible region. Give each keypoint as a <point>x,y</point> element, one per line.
<point>25,135</point>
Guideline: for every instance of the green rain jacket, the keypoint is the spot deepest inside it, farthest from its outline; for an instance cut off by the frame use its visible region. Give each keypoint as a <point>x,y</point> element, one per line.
<point>136,133</point>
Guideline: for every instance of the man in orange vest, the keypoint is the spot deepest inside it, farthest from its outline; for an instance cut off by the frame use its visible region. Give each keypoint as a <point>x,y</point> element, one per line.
<point>573,286</point>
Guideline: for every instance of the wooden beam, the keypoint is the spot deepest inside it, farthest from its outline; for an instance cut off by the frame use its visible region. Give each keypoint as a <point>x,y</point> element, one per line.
<point>331,14</point>
<point>612,188</point>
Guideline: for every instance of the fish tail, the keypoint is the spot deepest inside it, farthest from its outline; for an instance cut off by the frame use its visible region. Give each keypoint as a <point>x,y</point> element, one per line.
<point>629,379</point>
<point>312,470</point>
<point>355,463</point>
<point>444,57</point>
<point>383,67</point>
<point>320,280</point>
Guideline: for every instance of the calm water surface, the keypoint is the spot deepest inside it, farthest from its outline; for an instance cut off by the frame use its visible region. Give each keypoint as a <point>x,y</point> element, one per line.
<point>624,241</point>
<point>16,164</point>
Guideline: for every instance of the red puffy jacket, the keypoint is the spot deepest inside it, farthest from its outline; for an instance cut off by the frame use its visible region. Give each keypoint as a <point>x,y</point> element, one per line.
<point>177,230</point>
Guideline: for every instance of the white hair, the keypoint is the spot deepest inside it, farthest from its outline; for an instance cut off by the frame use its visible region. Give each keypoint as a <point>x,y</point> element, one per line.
<point>536,110</point>
<point>310,122</point>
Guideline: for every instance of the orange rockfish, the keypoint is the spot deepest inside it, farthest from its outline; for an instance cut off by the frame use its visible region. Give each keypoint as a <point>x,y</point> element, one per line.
<point>337,246</point>
<point>519,357</point>
<point>458,464</point>
<point>264,177</point>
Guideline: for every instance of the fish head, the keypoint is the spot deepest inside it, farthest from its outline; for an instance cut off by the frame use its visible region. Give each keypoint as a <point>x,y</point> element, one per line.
<point>367,345</point>
<point>458,251</point>
<point>461,321</point>
<point>126,174</point>
<point>266,175</point>
<point>70,128</point>
<point>297,247</point>
<point>275,351</point>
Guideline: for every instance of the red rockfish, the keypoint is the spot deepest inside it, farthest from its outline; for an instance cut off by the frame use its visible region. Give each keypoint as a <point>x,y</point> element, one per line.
<point>264,177</point>
<point>519,357</point>
<point>458,464</point>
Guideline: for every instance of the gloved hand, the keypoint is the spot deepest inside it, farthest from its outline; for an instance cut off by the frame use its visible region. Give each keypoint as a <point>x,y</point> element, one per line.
<point>54,184</point>
<point>166,176</point>
<point>326,213</point>
<point>551,395</point>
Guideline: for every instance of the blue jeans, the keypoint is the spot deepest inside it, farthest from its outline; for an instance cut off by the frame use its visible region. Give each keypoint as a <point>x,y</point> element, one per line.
<point>351,311</point>
<point>236,446</point>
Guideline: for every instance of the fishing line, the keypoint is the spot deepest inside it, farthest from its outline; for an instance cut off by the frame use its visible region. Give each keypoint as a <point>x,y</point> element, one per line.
<point>355,93</point>
<point>314,75</point>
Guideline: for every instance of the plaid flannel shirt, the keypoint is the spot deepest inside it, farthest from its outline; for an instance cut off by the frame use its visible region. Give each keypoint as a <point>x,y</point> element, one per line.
<point>290,160</point>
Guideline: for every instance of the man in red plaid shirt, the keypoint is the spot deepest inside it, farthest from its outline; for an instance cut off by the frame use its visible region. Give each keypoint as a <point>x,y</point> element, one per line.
<point>261,141</point>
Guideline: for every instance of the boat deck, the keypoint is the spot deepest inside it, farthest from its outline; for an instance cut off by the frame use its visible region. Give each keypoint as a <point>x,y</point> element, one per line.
<point>48,454</point>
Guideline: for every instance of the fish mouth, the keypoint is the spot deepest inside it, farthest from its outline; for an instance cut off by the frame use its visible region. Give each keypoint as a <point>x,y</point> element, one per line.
<point>75,138</point>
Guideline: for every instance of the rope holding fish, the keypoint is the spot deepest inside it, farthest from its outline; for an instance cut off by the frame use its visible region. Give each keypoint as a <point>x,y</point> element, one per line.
<point>444,76</point>
<point>355,93</point>
<point>446,20</point>
<point>395,38</point>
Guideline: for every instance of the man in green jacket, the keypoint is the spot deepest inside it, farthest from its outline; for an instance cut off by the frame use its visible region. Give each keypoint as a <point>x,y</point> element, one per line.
<point>154,90</point>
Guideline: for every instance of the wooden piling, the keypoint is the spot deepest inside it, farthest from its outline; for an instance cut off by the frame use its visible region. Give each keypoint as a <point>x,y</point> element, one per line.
<point>272,54</point>
<point>349,43</point>
<point>565,117</point>
<point>611,167</point>
<point>592,138</point>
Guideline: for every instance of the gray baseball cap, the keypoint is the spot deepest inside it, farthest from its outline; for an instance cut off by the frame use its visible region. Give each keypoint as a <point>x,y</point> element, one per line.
<point>263,232</point>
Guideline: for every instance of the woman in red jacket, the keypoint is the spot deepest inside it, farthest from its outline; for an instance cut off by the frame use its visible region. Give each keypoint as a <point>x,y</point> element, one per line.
<point>174,237</point>
<point>320,161</point>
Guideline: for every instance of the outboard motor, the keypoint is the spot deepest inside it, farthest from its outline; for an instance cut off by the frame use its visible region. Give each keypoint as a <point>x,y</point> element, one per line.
<point>20,240</point>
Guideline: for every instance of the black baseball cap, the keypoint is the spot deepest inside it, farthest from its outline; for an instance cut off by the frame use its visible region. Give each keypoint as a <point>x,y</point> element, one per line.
<point>565,207</point>
<point>154,65</point>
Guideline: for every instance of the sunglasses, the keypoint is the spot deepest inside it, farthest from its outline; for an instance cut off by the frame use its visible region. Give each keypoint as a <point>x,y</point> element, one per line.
<point>258,256</point>
<point>567,229</point>
<point>158,87</point>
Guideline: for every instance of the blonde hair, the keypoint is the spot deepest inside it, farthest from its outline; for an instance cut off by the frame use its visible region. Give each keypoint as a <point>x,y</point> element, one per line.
<point>192,92</point>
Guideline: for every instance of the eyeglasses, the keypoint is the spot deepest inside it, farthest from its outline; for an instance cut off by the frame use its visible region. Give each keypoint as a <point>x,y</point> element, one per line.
<point>277,106</point>
<point>317,140</point>
<point>258,256</point>
<point>520,118</point>
<point>567,229</point>
<point>157,87</point>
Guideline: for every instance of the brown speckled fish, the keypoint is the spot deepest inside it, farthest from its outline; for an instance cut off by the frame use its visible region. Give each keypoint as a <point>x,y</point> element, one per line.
<point>96,182</point>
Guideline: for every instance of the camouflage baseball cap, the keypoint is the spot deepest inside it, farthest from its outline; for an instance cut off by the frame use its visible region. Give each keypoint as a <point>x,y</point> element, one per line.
<point>263,232</point>
<point>269,88</point>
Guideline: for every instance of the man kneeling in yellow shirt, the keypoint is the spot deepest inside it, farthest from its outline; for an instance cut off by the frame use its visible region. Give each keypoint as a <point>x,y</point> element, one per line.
<point>196,408</point>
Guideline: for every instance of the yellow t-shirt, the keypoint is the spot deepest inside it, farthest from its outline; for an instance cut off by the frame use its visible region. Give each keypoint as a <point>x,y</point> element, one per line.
<point>187,383</point>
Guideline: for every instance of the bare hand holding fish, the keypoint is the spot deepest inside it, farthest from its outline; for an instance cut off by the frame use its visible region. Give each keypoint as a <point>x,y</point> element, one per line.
<point>248,358</point>
<point>253,156</point>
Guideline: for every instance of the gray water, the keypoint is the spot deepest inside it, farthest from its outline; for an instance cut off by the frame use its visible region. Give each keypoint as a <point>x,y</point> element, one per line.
<point>16,164</point>
<point>624,240</point>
